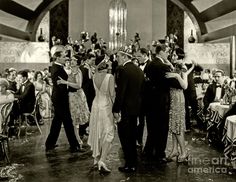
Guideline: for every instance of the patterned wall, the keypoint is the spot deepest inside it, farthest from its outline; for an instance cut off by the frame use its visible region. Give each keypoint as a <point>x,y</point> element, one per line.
<point>59,21</point>
<point>175,21</point>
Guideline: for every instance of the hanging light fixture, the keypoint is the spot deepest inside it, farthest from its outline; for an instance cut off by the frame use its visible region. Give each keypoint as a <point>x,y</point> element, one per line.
<point>117,24</point>
<point>191,39</point>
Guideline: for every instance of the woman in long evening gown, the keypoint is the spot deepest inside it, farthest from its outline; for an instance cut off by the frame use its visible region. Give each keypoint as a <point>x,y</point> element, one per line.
<point>101,126</point>
<point>177,111</point>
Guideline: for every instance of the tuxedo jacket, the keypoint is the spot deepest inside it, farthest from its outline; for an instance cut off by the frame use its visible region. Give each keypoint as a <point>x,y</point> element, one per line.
<point>210,95</point>
<point>159,87</point>
<point>59,91</point>
<point>87,85</point>
<point>129,81</point>
<point>146,87</point>
<point>146,66</point>
<point>155,71</point>
<point>26,97</point>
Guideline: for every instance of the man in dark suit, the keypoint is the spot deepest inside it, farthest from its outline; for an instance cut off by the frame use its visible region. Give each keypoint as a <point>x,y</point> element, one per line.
<point>143,64</point>
<point>157,115</point>
<point>60,102</point>
<point>129,82</point>
<point>25,99</point>
<point>87,82</point>
<point>25,94</point>
<point>87,86</point>
<point>215,91</point>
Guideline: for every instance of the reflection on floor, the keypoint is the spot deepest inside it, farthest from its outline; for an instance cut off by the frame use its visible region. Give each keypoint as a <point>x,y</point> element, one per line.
<point>33,165</point>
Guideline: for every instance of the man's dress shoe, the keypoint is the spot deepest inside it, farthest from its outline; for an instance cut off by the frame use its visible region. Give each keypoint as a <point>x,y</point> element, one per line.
<point>51,148</point>
<point>127,169</point>
<point>77,149</point>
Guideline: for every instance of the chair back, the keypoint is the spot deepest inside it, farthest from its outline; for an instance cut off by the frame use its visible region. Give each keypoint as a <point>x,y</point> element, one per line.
<point>4,116</point>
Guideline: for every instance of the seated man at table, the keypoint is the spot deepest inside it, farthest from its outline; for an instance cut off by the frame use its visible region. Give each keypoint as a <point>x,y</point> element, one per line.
<point>26,95</point>
<point>215,91</point>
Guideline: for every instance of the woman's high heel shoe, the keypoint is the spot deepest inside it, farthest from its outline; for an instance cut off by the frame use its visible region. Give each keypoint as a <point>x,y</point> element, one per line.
<point>170,157</point>
<point>184,158</point>
<point>103,168</point>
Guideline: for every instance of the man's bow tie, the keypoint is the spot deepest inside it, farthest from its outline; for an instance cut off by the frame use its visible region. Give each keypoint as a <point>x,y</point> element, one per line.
<point>141,64</point>
<point>218,85</point>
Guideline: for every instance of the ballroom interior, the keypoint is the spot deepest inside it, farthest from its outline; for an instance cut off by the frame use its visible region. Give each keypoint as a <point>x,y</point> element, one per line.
<point>206,31</point>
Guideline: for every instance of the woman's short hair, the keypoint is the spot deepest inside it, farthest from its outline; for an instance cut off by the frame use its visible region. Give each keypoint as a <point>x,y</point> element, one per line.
<point>24,73</point>
<point>4,82</point>
<point>102,66</point>
<point>143,51</point>
<point>219,71</point>
<point>91,55</point>
<point>36,74</point>
<point>160,47</point>
<point>180,53</point>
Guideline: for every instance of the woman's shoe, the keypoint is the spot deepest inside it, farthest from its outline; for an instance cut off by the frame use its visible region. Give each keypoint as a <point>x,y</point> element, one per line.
<point>184,158</point>
<point>171,156</point>
<point>102,168</point>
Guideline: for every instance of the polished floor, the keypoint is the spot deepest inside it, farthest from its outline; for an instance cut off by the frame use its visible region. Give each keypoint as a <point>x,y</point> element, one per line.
<point>30,163</point>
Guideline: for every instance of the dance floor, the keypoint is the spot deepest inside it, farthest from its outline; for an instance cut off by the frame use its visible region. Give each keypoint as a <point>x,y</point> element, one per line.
<point>30,163</point>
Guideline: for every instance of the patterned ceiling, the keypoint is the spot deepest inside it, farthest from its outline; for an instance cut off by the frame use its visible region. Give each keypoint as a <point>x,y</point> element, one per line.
<point>213,15</point>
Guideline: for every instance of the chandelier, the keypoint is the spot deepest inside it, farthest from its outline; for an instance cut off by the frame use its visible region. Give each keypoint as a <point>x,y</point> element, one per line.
<point>117,24</point>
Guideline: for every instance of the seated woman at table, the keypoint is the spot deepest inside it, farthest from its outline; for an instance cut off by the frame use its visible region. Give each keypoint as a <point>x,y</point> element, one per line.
<point>215,91</point>
<point>6,96</point>
<point>42,94</point>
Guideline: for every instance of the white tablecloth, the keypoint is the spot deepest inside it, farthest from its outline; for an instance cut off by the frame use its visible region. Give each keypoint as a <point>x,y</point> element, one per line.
<point>229,137</point>
<point>216,113</point>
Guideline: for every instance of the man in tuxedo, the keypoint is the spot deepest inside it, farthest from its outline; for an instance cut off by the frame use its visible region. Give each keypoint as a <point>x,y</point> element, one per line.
<point>60,102</point>
<point>87,86</point>
<point>87,82</point>
<point>129,80</point>
<point>25,99</point>
<point>214,92</point>
<point>157,115</point>
<point>25,94</point>
<point>233,81</point>
<point>143,64</point>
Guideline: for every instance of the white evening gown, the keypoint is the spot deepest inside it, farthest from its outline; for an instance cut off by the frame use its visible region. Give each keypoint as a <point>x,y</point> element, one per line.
<point>101,125</point>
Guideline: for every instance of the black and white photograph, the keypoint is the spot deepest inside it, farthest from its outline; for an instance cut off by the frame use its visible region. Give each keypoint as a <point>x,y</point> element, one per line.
<point>117,90</point>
